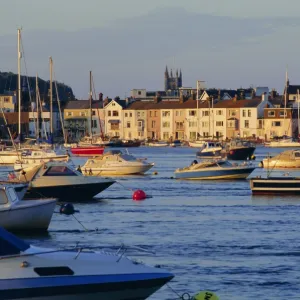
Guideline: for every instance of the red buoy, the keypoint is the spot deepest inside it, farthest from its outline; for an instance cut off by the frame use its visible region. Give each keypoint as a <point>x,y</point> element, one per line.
<point>139,195</point>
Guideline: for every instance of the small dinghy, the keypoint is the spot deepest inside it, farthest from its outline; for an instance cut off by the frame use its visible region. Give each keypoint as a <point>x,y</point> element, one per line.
<point>29,272</point>
<point>218,169</point>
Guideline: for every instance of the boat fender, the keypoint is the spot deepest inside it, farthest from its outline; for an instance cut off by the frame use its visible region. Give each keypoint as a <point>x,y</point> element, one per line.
<point>67,209</point>
<point>11,176</point>
<point>23,172</point>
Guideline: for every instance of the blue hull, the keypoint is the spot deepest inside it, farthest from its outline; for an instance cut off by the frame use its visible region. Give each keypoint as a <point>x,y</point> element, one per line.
<point>224,173</point>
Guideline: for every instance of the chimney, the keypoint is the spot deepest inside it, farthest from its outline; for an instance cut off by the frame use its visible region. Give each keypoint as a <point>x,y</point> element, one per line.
<point>235,98</point>
<point>264,97</point>
<point>100,97</point>
<point>105,102</point>
<point>219,95</point>
<point>273,94</point>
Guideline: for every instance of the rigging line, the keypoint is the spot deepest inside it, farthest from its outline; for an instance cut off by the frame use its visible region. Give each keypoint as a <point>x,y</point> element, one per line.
<point>41,110</point>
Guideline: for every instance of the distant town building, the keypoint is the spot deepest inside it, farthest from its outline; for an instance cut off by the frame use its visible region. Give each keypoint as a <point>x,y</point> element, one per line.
<point>173,82</point>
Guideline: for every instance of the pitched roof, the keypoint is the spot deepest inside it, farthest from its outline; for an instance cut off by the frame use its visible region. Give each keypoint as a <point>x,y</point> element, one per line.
<point>166,104</point>
<point>238,103</point>
<point>293,89</point>
<point>78,104</point>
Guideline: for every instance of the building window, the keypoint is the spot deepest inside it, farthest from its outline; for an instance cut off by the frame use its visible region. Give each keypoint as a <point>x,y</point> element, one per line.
<point>231,124</point>
<point>153,124</point>
<point>6,99</point>
<point>219,134</point>
<point>260,124</point>
<point>232,113</point>
<point>179,125</point>
<point>69,113</point>
<point>166,135</point>
<point>206,134</point>
<point>219,112</point>
<point>205,113</point>
<point>140,124</point>
<point>205,124</point>
<point>192,113</point>
<point>141,133</point>
<point>166,124</point>
<point>82,114</point>
<point>138,114</point>
<point>155,114</point>
<point>219,123</point>
<point>150,113</point>
<point>109,113</point>
<point>166,113</point>
<point>192,124</point>
<point>114,126</point>
<point>143,114</point>
<point>130,115</point>
<point>94,113</point>
<point>115,113</point>
<point>276,123</point>
<point>244,113</point>
<point>246,124</point>
<point>249,113</point>
<point>94,123</point>
<point>139,93</point>
<point>128,124</point>
<point>178,113</point>
<point>113,104</point>
<point>126,115</point>
<point>193,135</point>
<point>282,113</point>
<point>271,113</point>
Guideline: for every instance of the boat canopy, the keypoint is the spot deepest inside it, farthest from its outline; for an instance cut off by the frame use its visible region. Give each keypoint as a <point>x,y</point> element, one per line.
<point>10,244</point>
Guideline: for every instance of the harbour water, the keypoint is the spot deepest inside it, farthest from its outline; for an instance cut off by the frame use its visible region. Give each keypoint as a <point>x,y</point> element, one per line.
<point>212,235</point>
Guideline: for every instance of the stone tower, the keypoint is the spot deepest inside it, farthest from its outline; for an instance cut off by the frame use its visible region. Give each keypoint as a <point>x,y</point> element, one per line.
<point>172,82</point>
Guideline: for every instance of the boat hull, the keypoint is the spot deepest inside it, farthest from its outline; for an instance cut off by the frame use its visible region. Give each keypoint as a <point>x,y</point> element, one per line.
<point>282,145</point>
<point>196,144</point>
<point>67,193</point>
<point>82,289</point>
<point>234,173</point>
<point>158,144</point>
<point>25,216</point>
<point>240,153</point>
<point>8,158</point>
<point>269,186</point>
<point>117,170</point>
<point>87,151</point>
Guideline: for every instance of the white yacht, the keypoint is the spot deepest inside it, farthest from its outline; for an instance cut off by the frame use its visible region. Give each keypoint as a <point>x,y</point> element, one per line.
<point>115,162</point>
<point>210,150</point>
<point>19,215</point>
<point>29,272</point>
<point>36,157</point>
<point>283,143</point>
<point>289,159</point>
<point>60,180</point>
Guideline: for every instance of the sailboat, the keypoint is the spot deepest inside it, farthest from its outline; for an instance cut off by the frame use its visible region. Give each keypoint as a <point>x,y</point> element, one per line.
<point>88,150</point>
<point>285,141</point>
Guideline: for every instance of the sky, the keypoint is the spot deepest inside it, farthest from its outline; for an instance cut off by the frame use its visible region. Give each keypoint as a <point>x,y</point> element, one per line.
<point>49,28</point>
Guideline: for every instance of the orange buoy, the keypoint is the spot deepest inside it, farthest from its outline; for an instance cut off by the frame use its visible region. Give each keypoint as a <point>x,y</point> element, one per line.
<point>139,195</point>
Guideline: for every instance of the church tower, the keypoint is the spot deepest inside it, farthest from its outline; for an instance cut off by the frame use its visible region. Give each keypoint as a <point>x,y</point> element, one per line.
<point>173,83</point>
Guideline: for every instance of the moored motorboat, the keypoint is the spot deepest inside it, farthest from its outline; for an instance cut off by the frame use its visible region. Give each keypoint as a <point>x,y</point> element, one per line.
<point>283,142</point>
<point>158,144</point>
<point>19,215</point>
<point>210,150</point>
<point>196,143</point>
<point>238,149</point>
<point>214,169</point>
<point>289,159</point>
<point>29,272</point>
<point>60,180</point>
<point>115,163</point>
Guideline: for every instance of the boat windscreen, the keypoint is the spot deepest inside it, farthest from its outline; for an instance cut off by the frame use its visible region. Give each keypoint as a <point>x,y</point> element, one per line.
<point>10,244</point>
<point>59,171</point>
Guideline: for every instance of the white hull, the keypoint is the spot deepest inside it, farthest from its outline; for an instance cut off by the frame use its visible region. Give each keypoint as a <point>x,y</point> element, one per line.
<point>28,215</point>
<point>7,158</point>
<point>278,164</point>
<point>196,144</point>
<point>116,170</point>
<point>158,144</point>
<point>282,144</point>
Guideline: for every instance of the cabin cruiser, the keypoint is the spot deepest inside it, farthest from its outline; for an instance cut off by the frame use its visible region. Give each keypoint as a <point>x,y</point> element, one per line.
<point>281,142</point>
<point>196,143</point>
<point>158,144</point>
<point>238,149</point>
<point>60,180</point>
<point>289,159</point>
<point>29,272</point>
<point>214,169</point>
<point>36,157</point>
<point>115,162</point>
<point>210,150</point>
<point>19,215</point>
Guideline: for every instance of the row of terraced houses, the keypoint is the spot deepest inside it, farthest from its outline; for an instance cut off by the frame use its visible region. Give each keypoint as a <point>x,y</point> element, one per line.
<point>252,113</point>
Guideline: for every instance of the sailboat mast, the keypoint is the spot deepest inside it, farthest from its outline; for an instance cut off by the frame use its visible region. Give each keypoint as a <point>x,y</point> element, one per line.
<point>285,100</point>
<point>91,111</point>
<point>19,83</point>
<point>37,106</point>
<point>51,97</point>
<point>298,114</point>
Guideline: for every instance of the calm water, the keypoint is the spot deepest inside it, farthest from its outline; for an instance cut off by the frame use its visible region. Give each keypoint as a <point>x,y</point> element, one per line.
<point>212,235</point>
